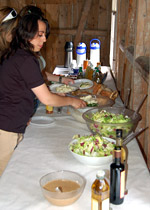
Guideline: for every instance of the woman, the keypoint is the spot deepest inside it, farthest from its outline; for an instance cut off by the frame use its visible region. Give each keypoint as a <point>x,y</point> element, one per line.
<point>8,23</point>
<point>20,81</point>
<point>30,9</point>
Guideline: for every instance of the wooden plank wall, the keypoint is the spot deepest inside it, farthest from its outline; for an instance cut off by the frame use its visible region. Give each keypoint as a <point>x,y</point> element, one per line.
<point>132,66</point>
<point>72,20</point>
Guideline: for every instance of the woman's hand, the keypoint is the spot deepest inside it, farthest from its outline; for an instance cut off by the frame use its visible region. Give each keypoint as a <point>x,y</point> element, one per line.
<point>78,103</point>
<point>67,80</point>
<point>48,98</point>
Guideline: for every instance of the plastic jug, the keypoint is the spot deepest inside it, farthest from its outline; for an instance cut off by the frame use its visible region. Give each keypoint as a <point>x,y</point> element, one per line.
<point>81,53</point>
<point>68,54</point>
<point>95,51</point>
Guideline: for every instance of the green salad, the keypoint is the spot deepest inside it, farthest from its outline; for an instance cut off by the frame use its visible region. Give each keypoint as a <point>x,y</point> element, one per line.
<point>90,100</point>
<point>106,123</point>
<point>92,146</point>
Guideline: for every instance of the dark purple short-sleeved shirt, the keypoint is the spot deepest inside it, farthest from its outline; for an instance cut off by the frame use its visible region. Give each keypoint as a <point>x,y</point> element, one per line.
<point>18,75</point>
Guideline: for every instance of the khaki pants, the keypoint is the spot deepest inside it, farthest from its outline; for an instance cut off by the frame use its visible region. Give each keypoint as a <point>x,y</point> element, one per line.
<point>8,142</point>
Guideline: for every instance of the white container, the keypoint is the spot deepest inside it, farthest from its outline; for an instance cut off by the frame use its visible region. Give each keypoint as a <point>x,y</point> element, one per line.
<point>95,52</point>
<point>81,53</point>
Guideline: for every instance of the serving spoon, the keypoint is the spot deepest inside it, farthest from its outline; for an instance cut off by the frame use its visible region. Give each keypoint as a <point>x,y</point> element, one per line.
<point>59,189</point>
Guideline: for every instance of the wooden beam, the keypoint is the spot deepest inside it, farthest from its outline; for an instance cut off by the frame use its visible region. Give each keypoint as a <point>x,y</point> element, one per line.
<point>74,31</point>
<point>48,1</point>
<point>148,123</point>
<point>142,63</point>
<point>82,21</point>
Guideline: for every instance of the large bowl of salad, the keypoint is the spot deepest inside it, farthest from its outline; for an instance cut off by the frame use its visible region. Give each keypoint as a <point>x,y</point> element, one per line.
<point>92,150</point>
<point>106,120</point>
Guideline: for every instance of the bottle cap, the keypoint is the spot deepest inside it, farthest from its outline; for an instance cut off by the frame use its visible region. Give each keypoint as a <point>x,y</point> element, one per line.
<point>100,174</point>
<point>98,64</point>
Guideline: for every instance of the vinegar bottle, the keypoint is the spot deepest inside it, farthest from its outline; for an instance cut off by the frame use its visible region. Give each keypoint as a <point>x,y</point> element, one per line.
<point>119,141</point>
<point>124,152</point>
<point>100,192</point>
<point>117,178</point>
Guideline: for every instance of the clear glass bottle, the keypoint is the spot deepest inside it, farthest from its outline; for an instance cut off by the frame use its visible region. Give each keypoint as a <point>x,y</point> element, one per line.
<point>99,66</point>
<point>100,192</point>
<point>117,178</point>
<point>97,75</point>
<point>124,152</point>
<point>49,109</point>
<point>119,141</point>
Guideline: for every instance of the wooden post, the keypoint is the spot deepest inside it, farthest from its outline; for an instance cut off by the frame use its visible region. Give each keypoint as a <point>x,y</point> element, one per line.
<point>82,21</point>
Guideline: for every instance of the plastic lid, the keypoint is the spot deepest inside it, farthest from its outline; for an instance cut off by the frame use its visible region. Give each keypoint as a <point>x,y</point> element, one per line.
<point>100,174</point>
<point>81,45</point>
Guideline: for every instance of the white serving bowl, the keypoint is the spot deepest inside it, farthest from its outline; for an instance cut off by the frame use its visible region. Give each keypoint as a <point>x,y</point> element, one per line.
<point>92,161</point>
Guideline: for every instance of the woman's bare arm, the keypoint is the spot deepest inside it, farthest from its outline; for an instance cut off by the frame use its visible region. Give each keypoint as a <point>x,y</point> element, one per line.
<point>55,78</point>
<point>48,98</point>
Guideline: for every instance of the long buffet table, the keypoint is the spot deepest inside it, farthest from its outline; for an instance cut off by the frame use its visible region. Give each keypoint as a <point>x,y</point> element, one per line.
<point>45,149</point>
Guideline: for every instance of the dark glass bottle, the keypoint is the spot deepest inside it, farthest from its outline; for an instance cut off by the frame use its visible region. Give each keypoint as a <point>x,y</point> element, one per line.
<point>80,73</point>
<point>100,192</point>
<point>117,178</point>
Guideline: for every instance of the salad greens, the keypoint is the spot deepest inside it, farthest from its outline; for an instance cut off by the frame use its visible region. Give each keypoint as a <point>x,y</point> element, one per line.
<point>92,146</point>
<point>84,85</point>
<point>106,117</point>
<point>106,123</point>
<point>90,100</point>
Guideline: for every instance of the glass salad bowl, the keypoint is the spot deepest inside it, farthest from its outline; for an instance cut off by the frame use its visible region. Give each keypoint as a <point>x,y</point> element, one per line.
<point>62,188</point>
<point>106,120</point>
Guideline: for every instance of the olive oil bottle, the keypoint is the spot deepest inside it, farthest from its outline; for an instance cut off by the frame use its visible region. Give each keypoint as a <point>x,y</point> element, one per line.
<point>124,153</point>
<point>119,143</point>
<point>100,192</point>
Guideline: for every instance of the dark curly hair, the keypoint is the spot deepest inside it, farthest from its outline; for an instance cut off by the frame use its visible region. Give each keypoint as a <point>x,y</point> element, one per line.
<point>31,9</point>
<point>25,31</point>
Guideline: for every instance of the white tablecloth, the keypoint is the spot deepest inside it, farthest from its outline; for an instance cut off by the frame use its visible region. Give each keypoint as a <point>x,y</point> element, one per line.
<point>45,149</point>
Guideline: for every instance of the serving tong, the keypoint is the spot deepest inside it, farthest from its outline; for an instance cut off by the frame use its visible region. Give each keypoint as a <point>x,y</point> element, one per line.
<point>131,136</point>
<point>126,103</point>
<point>139,106</point>
<point>137,133</point>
